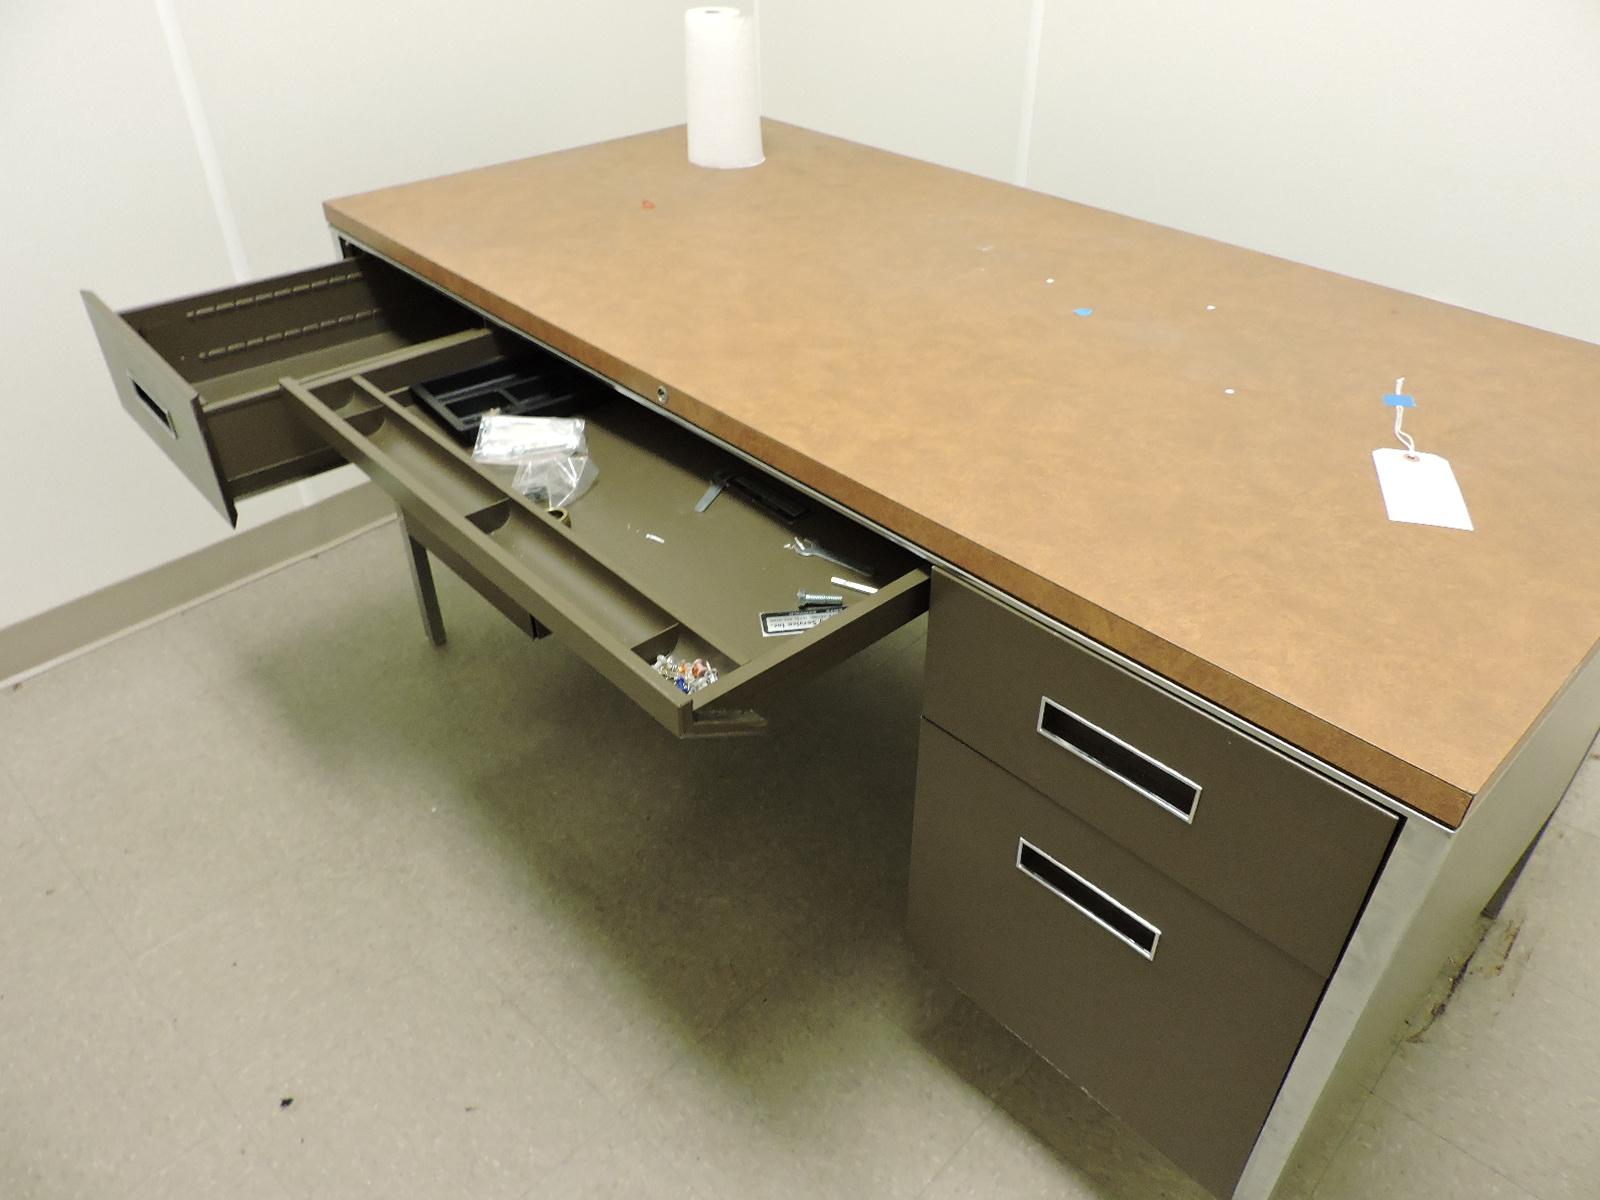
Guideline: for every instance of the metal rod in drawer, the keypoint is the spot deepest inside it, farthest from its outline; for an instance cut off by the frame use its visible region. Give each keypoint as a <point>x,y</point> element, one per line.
<point>1129,765</point>
<point>1104,910</point>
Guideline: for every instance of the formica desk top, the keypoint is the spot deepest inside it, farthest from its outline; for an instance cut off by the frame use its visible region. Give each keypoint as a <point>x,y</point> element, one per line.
<point>1184,474</point>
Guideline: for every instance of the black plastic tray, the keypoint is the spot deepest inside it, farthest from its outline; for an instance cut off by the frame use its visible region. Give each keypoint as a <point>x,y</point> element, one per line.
<point>523,386</point>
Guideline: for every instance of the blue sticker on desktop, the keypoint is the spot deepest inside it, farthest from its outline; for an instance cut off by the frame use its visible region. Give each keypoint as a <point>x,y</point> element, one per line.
<point>1395,401</point>
<point>1083,312</point>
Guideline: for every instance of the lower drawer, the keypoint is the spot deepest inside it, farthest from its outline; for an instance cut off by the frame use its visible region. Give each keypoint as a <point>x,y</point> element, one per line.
<point>1171,1014</point>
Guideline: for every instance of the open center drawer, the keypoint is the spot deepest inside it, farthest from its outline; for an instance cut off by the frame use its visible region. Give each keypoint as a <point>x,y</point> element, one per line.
<point>262,384</point>
<point>637,567</point>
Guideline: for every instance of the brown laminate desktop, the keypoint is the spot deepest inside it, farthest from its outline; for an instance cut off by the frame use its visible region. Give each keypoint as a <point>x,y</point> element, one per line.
<point>1183,474</point>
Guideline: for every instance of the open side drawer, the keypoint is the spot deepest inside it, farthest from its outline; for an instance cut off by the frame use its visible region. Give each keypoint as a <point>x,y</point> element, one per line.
<point>200,375</point>
<point>634,569</point>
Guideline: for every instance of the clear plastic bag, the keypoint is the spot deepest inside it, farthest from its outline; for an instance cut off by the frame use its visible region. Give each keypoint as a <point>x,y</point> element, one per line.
<point>557,479</point>
<point>551,455</point>
<point>511,439</point>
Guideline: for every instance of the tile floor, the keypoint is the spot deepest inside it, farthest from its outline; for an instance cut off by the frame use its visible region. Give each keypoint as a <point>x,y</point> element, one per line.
<point>292,905</point>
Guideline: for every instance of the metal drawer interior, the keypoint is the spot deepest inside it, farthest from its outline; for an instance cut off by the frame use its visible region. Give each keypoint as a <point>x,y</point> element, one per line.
<point>1172,1015</point>
<point>200,375</point>
<point>634,568</point>
<point>1285,850</point>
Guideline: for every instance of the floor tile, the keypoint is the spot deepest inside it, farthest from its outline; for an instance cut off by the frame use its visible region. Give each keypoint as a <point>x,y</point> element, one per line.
<point>828,1084</point>
<point>1552,910</point>
<point>1581,805</point>
<point>690,922</point>
<point>143,782</point>
<point>289,972</point>
<point>619,1164</point>
<point>623,982</point>
<point>50,931</point>
<point>448,1076</point>
<point>97,1090</point>
<point>1389,1154</point>
<point>1046,1138</point>
<point>655,891</point>
<point>259,623</point>
<point>227,1167</point>
<point>118,703</point>
<point>348,1151</point>
<point>1510,1072</point>
<point>159,849</point>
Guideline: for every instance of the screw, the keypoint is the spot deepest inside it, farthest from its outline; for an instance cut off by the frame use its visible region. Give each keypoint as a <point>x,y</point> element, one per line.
<point>661,395</point>
<point>819,600</point>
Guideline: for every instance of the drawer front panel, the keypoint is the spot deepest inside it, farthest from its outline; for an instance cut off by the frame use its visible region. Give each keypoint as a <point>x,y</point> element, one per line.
<point>632,569</point>
<point>162,403</point>
<point>1285,851</point>
<point>1167,1011</point>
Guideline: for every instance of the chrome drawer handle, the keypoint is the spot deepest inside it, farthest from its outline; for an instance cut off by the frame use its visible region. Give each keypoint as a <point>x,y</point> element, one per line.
<point>1153,780</point>
<point>1068,885</point>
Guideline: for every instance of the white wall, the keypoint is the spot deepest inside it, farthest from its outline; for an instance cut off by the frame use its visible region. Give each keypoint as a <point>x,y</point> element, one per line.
<point>1445,147</point>
<point>106,188</point>
<point>941,80</point>
<point>309,100</point>
<point>102,188</point>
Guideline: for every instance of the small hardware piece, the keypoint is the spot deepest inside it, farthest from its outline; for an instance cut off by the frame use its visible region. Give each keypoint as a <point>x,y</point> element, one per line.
<point>864,588</point>
<point>718,482</point>
<point>776,500</point>
<point>807,548</point>
<point>818,600</point>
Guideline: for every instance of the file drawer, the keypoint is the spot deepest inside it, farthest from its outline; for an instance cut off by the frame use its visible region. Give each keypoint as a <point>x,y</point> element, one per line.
<point>1280,848</point>
<point>1170,1013</point>
<point>200,375</point>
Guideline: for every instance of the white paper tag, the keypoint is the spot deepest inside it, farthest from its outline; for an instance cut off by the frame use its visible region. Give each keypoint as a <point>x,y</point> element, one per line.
<point>787,624</point>
<point>1420,489</point>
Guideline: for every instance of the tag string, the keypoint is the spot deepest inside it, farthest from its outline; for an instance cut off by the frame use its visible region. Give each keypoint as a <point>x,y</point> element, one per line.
<point>1400,416</point>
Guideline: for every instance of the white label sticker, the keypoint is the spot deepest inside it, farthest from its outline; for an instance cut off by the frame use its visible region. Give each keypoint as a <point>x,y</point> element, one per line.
<point>1420,489</point>
<point>785,624</point>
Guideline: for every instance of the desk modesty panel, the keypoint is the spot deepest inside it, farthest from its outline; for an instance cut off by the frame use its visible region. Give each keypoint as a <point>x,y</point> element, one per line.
<point>1183,472</point>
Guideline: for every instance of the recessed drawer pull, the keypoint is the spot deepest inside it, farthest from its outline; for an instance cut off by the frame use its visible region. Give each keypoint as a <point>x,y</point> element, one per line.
<point>1077,891</point>
<point>1151,779</point>
<point>161,414</point>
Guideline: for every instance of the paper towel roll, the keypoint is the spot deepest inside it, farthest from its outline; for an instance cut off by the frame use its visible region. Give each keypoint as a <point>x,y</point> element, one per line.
<point>723,69</point>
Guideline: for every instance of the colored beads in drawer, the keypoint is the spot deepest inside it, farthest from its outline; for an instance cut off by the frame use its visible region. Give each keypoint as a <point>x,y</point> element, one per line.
<point>687,676</point>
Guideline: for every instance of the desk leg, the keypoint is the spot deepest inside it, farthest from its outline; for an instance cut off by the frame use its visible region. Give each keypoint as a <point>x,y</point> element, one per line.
<point>1498,900</point>
<point>422,583</point>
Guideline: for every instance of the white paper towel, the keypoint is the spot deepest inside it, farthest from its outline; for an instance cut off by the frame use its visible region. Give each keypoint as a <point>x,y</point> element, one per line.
<point>723,69</point>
